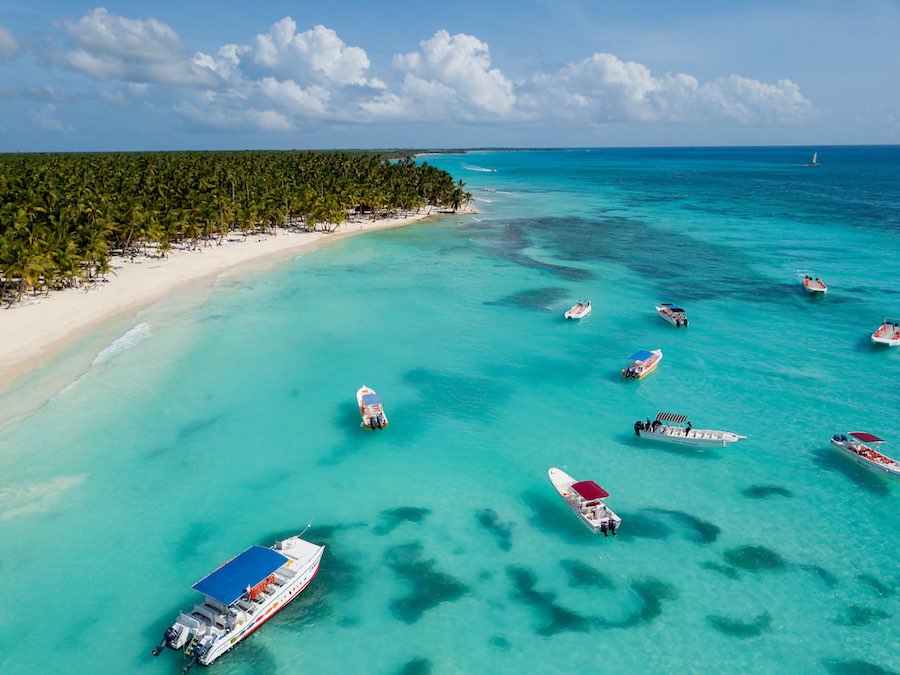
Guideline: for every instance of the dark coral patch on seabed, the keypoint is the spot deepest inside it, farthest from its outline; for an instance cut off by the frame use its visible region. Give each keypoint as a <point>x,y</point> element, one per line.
<point>726,570</point>
<point>755,559</point>
<point>741,629</point>
<point>877,585</point>
<point>855,667</point>
<point>705,532</point>
<point>392,518</point>
<point>417,666</point>
<point>502,532</point>
<point>764,491</point>
<point>858,615</point>
<point>581,574</point>
<point>430,587</point>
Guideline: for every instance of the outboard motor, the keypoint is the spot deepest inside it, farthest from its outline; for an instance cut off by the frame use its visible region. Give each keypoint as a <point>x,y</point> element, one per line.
<point>199,651</point>
<point>637,427</point>
<point>612,526</point>
<point>685,322</point>
<point>837,438</point>
<point>168,639</point>
<point>603,528</point>
<point>373,422</point>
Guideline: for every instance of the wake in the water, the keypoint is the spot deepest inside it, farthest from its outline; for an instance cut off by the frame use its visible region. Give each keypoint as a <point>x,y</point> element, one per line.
<point>482,169</point>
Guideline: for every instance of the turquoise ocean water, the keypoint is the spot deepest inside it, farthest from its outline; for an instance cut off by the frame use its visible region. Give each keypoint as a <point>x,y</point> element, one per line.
<point>212,421</point>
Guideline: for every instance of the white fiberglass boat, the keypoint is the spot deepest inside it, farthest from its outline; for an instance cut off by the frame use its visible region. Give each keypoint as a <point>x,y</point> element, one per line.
<point>585,498</point>
<point>240,596</point>
<point>579,310</point>
<point>642,363</point>
<point>814,285</point>
<point>888,333</point>
<point>676,316</point>
<point>371,409</point>
<point>860,446</point>
<point>676,429</point>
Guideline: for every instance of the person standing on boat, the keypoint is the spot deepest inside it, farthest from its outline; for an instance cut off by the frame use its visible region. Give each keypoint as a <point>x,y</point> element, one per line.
<point>687,430</point>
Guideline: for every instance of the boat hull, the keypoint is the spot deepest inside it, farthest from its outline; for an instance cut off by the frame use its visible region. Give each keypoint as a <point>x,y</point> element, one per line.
<point>279,602</point>
<point>814,289</point>
<point>701,438</point>
<point>574,314</point>
<point>678,320</point>
<point>368,412</point>
<point>890,470</point>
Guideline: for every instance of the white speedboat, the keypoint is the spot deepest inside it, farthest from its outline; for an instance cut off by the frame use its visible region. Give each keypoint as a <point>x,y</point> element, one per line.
<point>865,449</point>
<point>675,315</point>
<point>240,596</point>
<point>814,285</point>
<point>585,498</point>
<point>676,429</point>
<point>579,310</point>
<point>370,409</point>
<point>888,333</point>
<point>642,363</point>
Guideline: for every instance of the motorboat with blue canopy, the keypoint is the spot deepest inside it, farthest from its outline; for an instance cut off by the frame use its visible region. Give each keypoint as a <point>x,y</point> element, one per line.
<point>642,363</point>
<point>236,577</point>
<point>240,596</point>
<point>371,409</point>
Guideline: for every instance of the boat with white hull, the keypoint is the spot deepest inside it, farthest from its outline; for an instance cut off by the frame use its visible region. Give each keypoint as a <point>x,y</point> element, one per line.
<point>887,334</point>
<point>865,449</point>
<point>579,310</point>
<point>240,596</point>
<point>585,498</point>
<point>814,286</point>
<point>677,316</point>
<point>673,428</point>
<point>371,409</point>
<point>642,363</point>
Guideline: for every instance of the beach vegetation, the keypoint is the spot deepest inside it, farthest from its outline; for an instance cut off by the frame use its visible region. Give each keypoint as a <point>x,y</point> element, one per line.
<point>64,216</point>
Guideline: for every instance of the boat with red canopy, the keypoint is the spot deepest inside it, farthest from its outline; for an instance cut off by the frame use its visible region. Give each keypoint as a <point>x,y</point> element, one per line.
<point>585,498</point>
<point>865,449</point>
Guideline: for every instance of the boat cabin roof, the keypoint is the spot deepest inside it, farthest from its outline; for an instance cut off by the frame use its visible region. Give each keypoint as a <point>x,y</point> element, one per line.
<point>671,417</point>
<point>642,355</point>
<point>231,580</point>
<point>865,437</point>
<point>589,490</point>
<point>371,399</point>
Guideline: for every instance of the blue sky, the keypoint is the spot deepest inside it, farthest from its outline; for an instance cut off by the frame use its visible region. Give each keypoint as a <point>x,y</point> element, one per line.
<point>528,73</point>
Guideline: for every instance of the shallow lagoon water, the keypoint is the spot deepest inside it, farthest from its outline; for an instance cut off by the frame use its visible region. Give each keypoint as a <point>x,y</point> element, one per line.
<point>209,423</point>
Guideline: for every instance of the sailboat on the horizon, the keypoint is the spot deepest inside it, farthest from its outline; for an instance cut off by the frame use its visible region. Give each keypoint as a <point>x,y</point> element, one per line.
<point>815,159</point>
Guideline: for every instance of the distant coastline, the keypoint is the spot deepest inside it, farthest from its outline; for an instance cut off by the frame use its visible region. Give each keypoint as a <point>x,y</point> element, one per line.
<point>42,326</point>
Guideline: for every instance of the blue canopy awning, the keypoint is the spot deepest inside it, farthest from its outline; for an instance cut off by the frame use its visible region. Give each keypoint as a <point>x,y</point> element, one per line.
<point>231,580</point>
<point>642,355</point>
<point>371,399</point>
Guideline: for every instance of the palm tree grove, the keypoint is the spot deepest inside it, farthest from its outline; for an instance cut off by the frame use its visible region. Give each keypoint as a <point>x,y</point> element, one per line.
<point>62,216</point>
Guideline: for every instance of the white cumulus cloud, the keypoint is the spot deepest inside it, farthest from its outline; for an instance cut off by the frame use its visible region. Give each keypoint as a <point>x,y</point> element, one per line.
<point>315,54</point>
<point>604,88</point>
<point>451,76</point>
<point>112,47</point>
<point>9,46</point>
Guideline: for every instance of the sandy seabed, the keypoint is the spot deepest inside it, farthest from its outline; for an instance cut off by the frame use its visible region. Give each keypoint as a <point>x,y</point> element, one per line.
<point>39,327</point>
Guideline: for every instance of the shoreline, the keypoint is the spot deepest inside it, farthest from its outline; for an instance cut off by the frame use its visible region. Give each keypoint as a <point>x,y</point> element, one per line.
<point>41,327</point>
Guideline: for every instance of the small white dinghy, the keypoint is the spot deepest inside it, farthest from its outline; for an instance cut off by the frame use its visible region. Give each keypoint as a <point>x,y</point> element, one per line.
<point>585,498</point>
<point>677,316</point>
<point>887,334</point>
<point>860,446</point>
<point>814,285</point>
<point>676,429</point>
<point>579,310</point>
<point>370,409</point>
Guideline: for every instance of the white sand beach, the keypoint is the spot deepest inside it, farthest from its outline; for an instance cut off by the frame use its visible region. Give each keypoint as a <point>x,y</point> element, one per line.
<point>39,327</point>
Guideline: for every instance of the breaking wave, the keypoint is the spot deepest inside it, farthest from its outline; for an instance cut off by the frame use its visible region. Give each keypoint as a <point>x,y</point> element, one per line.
<point>130,339</point>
